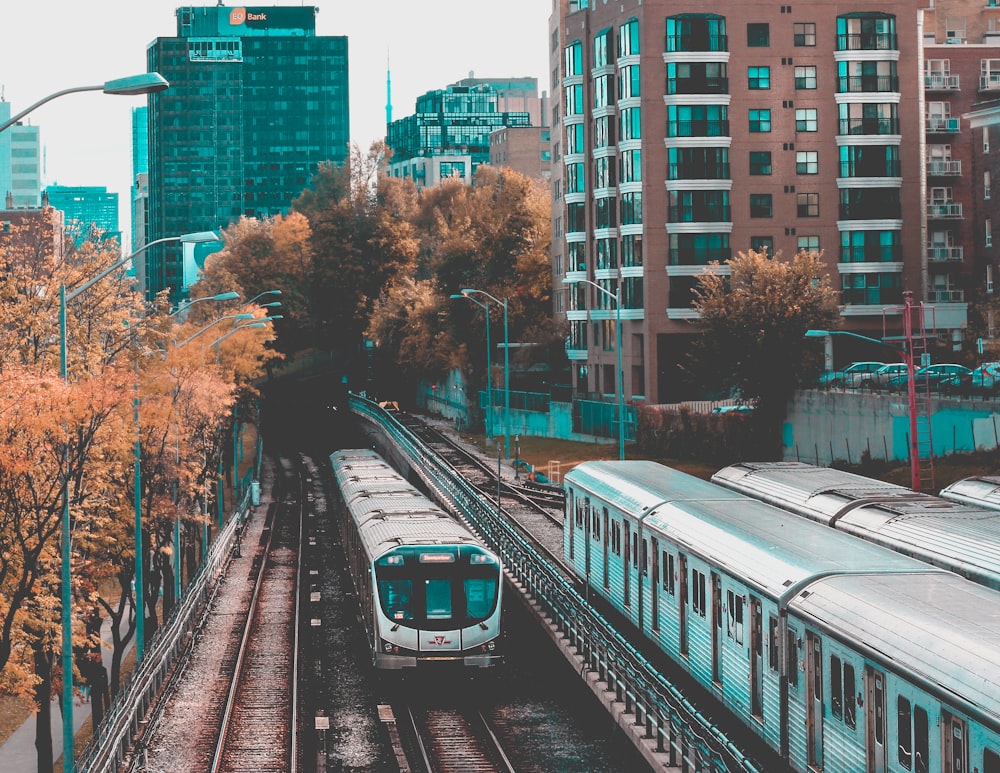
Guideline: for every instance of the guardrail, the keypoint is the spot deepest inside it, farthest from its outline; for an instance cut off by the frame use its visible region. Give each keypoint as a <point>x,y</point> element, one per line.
<point>678,727</point>
<point>114,736</point>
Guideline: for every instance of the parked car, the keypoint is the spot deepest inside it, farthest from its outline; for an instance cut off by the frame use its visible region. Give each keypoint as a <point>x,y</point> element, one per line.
<point>931,375</point>
<point>879,380</point>
<point>849,376</point>
<point>983,380</point>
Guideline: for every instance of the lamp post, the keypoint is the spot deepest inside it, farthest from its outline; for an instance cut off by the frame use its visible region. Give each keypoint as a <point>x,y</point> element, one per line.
<point>911,389</point>
<point>620,386</point>
<point>231,295</point>
<point>506,365</point>
<point>489,356</point>
<point>261,295</point>
<point>67,614</point>
<point>133,85</point>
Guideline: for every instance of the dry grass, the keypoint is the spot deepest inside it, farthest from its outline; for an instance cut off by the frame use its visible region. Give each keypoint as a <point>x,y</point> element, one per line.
<point>13,713</point>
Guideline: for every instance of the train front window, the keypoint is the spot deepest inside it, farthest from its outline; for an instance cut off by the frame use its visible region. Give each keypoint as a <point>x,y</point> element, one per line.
<point>397,599</point>
<point>480,597</point>
<point>438,594</point>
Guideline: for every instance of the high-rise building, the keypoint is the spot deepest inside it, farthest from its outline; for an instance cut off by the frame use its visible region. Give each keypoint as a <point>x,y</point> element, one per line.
<point>90,212</point>
<point>257,101</point>
<point>686,134</point>
<point>139,195</point>
<point>449,134</point>
<point>20,162</point>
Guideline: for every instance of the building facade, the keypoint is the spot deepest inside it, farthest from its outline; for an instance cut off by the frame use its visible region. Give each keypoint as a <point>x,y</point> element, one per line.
<point>20,162</point>
<point>688,134</point>
<point>525,149</point>
<point>257,101</point>
<point>449,133</point>
<point>90,213</point>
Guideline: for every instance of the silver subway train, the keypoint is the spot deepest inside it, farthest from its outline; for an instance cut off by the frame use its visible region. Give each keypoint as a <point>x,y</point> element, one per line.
<point>840,654</point>
<point>430,591</point>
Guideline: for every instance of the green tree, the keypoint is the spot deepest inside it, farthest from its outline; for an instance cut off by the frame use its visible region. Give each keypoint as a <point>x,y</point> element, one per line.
<point>752,325</point>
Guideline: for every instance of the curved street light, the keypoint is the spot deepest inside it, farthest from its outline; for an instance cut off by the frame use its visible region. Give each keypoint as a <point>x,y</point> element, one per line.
<point>489,357</point>
<point>261,295</point>
<point>231,295</point>
<point>132,85</point>
<point>467,292</point>
<point>620,386</point>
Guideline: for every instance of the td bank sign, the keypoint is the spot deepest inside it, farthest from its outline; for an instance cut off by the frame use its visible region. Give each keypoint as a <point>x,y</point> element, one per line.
<point>239,16</point>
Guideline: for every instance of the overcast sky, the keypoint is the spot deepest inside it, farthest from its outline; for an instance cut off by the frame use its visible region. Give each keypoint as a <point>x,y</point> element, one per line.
<point>50,45</point>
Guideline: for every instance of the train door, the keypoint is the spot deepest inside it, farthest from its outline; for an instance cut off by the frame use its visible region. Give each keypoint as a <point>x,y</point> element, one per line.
<point>956,750</point>
<point>654,585</point>
<point>626,549</point>
<point>605,546</point>
<point>716,629</point>
<point>814,699</point>
<point>756,659</point>
<point>875,720</point>
<point>682,598</point>
<point>587,514</point>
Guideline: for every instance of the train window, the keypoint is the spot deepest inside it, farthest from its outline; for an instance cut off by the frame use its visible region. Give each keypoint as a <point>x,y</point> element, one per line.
<point>616,538</point>
<point>735,622</point>
<point>793,657</point>
<point>635,548</point>
<point>397,598</point>
<point>991,761</point>
<point>836,691</point>
<point>698,592</point>
<point>438,595</point>
<point>668,573</point>
<point>645,557</point>
<point>581,511</point>
<point>905,732</point>
<point>921,742</point>
<point>850,704</point>
<point>480,597</point>
<point>595,525</point>
<point>772,643</point>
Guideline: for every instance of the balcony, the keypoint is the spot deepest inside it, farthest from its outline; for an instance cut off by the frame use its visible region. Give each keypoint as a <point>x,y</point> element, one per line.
<point>990,82</point>
<point>941,125</point>
<point>871,126</point>
<point>942,167</point>
<point>702,85</point>
<point>697,41</point>
<point>941,82</point>
<point>944,254</point>
<point>945,296</point>
<point>946,210</point>
<point>705,128</point>
<point>853,84</point>
<point>867,41</point>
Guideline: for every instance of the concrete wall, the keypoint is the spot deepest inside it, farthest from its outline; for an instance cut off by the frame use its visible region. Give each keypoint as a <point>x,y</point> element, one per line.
<point>822,427</point>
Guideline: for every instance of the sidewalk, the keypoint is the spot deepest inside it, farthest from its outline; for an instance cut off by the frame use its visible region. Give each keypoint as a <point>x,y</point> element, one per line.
<point>18,753</point>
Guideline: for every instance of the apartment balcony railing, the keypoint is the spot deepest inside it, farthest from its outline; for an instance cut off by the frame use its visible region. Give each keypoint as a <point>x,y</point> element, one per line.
<point>697,85</point>
<point>945,296</point>
<point>851,84</point>
<point>944,211</point>
<point>942,253</point>
<point>867,41</point>
<point>941,82</point>
<point>940,167</point>
<point>870,126</point>
<point>938,125</point>
<point>698,171</point>
<point>698,128</point>
<point>887,168</point>
<point>989,82</point>
<point>703,42</point>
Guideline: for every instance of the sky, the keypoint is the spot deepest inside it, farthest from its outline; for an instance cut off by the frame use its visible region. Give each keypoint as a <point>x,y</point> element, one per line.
<point>50,45</point>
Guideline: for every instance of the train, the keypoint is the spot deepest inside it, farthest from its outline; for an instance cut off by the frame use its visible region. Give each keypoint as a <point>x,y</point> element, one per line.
<point>429,589</point>
<point>840,654</point>
<point>962,536</point>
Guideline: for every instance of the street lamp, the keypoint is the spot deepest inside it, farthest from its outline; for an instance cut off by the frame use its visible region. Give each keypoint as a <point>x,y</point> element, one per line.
<point>489,357</point>
<point>67,615</point>
<point>133,85</point>
<point>911,388</point>
<point>261,295</point>
<point>232,295</point>
<point>620,387</point>
<point>235,317</point>
<point>506,365</point>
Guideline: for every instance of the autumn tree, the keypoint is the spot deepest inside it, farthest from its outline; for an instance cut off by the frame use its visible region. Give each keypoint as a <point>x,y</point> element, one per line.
<point>752,324</point>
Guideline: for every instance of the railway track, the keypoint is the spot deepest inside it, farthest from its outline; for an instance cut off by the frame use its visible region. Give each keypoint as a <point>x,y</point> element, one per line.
<point>257,730</point>
<point>454,740</point>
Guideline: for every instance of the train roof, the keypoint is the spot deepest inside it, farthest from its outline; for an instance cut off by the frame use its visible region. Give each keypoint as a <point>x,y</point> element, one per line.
<point>938,627</point>
<point>382,534</point>
<point>954,535</point>
<point>351,488</point>
<point>637,486</point>
<point>983,490</point>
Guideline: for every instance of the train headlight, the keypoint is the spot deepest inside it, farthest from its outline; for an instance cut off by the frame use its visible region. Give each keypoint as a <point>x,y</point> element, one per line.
<point>492,645</point>
<point>387,646</point>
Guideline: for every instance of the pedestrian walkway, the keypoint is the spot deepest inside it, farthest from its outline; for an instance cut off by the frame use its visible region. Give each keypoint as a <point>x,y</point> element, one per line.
<point>18,753</point>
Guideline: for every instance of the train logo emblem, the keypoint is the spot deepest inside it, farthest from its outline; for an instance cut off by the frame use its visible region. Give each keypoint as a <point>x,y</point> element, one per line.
<point>440,641</point>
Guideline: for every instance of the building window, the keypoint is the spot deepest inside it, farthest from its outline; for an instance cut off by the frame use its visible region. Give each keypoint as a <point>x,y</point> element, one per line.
<point>805,76</point>
<point>807,162</point>
<point>758,35</point>
<point>760,121</point>
<point>761,205</point>
<point>764,244</point>
<point>698,249</point>
<point>574,99</point>
<point>986,139</point>
<point>805,33</point>
<point>807,204</point>
<point>630,166</point>
<point>631,208</point>
<point>628,81</point>
<point>573,64</point>
<point>988,232</point>
<point>760,162</point>
<point>604,48</point>
<point>629,125</point>
<point>628,38</point>
<point>808,244</point>
<point>759,78</point>
<point>806,119</point>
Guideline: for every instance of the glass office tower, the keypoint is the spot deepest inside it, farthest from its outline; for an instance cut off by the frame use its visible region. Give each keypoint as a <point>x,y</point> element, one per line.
<point>256,102</point>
